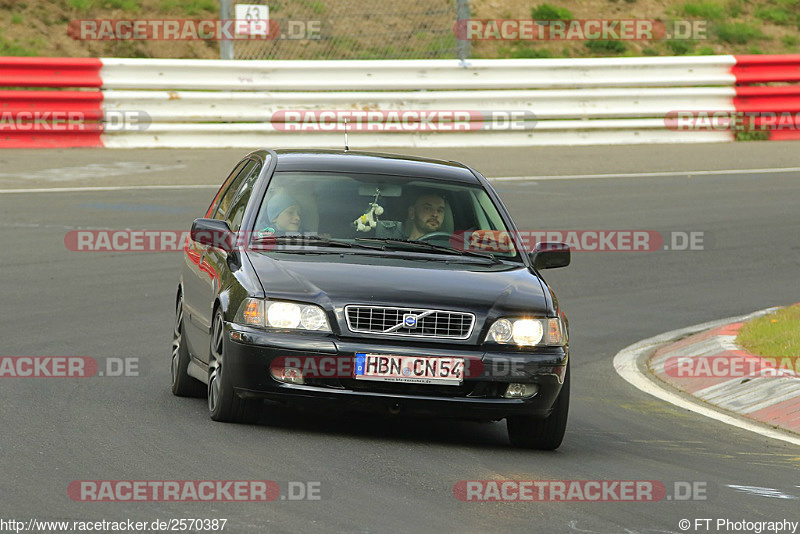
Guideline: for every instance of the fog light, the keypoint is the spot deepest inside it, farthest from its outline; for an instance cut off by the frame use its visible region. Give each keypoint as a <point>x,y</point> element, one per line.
<point>289,375</point>
<point>521,391</point>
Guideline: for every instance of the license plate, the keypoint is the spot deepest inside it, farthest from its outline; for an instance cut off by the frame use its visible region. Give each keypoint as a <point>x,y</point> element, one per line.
<point>409,369</point>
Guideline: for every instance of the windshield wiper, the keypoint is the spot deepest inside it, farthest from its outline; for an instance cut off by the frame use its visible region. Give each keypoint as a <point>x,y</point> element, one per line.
<point>429,246</point>
<point>310,240</point>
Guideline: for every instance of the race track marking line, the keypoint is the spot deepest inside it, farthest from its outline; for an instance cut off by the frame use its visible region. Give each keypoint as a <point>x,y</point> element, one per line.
<point>642,174</point>
<point>105,188</point>
<point>629,362</point>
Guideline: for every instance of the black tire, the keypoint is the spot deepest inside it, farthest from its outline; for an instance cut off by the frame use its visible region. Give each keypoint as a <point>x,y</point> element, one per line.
<point>542,434</point>
<point>183,385</point>
<point>223,403</point>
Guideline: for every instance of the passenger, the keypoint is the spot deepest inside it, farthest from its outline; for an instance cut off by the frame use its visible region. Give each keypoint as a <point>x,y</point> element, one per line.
<point>284,212</point>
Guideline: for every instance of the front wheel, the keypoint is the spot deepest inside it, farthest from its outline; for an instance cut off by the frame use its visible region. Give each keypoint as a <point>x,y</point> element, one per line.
<point>223,403</point>
<point>542,434</point>
<point>183,385</point>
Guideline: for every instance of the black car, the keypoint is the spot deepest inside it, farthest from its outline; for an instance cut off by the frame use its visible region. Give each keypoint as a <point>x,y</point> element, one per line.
<point>364,282</point>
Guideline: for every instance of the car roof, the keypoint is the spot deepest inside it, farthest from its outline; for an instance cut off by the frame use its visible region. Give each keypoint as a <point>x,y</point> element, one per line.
<point>373,163</point>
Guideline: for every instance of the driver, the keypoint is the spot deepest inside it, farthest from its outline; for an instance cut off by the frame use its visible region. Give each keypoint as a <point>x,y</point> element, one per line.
<point>426,214</point>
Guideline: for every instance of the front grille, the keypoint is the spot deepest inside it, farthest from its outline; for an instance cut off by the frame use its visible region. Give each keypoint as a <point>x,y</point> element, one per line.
<point>437,324</point>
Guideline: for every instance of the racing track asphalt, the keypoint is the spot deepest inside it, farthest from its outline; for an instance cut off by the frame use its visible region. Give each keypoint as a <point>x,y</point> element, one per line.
<point>385,475</point>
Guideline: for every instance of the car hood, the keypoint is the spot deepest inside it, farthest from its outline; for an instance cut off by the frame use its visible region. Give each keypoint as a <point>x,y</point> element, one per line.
<point>340,279</point>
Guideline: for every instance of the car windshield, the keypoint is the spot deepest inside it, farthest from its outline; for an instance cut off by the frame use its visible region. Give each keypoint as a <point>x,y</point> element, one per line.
<point>390,212</point>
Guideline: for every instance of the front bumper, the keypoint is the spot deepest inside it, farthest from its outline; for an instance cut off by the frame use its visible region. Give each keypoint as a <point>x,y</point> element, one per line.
<point>249,353</point>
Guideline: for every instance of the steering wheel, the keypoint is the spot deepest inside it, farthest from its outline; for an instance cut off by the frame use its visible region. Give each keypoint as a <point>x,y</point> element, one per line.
<point>432,236</point>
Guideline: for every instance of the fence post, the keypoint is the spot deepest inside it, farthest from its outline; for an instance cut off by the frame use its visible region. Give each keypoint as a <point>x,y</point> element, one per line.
<point>462,13</point>
<point>225,45</point>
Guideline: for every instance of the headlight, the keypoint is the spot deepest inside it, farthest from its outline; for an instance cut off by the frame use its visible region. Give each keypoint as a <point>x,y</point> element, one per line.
<point>285,315</point>
<point>528,332</point>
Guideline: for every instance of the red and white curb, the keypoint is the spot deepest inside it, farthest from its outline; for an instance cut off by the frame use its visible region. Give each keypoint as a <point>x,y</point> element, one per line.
<point>754,403</point>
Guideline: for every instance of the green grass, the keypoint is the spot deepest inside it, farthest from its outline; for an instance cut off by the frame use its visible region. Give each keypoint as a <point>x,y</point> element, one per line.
<point>82,5</point>
<point>775,15</point>
<point>524,50</point>
<point>168,5</point>
<point>11,48</point>
<point>199,7</point>
<point>704,10</point>
<point>125,5</point>
<point>735,8</point>
<point>317,6</point>
<point>129,6</point>
<point>789,41</point>
<point>439,45</point>
<point>706,51</point>
<point>737,33</point>
<point>776,335</point>
<point>606,47</point>
<point>16,18</point>
<point>550,12</point>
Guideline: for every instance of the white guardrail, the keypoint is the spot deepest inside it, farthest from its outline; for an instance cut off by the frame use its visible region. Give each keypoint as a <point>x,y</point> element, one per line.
<point>202,103</point>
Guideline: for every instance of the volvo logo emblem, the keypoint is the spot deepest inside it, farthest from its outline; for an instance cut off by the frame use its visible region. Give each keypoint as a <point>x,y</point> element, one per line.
<point>409,320</point>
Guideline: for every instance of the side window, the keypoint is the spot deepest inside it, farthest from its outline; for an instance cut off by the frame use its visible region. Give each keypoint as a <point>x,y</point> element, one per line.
<point>227,197</point>
<point>213,207</point>
<point>239,203</point>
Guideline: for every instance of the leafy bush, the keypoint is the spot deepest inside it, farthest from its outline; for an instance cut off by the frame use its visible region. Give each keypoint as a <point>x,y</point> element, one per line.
<point>752,136</point>
<point>550,12</point>
<point>606,47</point>
<point>679,47</point>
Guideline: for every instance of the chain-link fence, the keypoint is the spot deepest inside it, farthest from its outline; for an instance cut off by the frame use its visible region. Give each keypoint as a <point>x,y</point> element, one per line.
<point>352,29</point>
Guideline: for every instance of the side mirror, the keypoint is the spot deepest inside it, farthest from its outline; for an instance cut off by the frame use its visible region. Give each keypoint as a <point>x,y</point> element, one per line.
<point>213,233</point>
<point>550,255</point>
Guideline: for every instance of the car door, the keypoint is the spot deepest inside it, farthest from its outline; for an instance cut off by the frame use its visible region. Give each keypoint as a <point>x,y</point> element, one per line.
<point>215,260</point>
<point>198,276</point>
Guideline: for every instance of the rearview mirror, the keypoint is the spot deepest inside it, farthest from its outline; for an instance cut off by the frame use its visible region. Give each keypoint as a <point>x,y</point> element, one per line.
<point>387,190</point>
<point>549,255</point>
<point>213,233</point>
